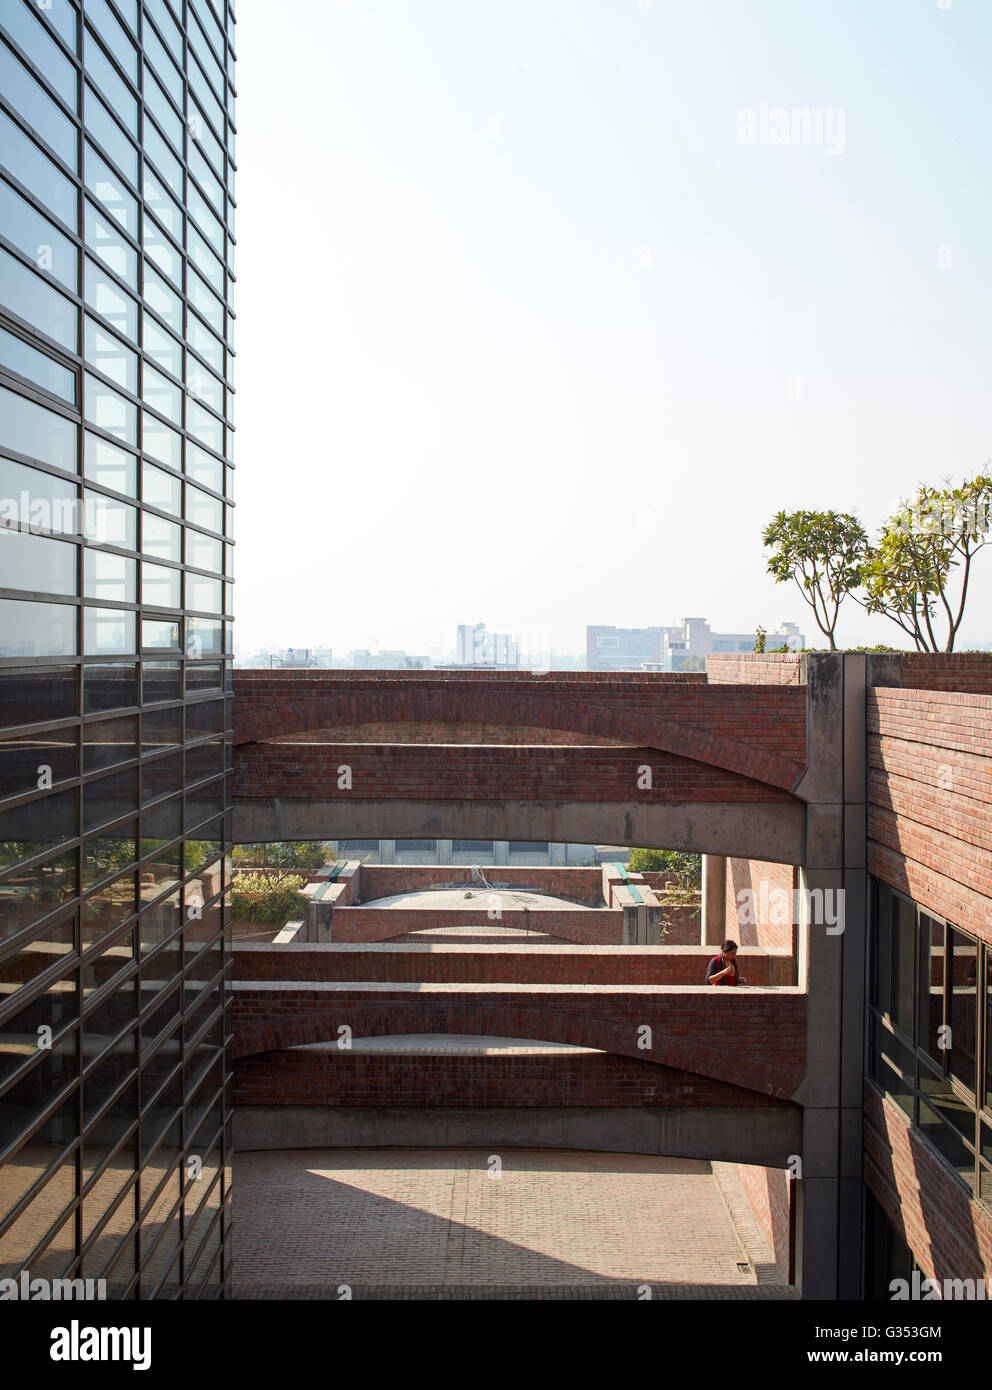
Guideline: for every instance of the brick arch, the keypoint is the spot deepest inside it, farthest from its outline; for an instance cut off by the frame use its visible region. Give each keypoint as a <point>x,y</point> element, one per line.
<point>259,721</point>
<point>396,1016</point>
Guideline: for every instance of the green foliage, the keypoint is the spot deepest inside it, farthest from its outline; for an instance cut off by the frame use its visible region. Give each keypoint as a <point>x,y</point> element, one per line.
<point>823,553</point>
<point>759,639</point>
<point>282,855</point>
<point>918,571</point>
<point>667,861</point>
<point>685,878</point>
<point>256,898</point>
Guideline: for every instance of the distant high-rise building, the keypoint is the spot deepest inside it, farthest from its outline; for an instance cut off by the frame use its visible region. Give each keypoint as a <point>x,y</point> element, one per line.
<point>624,648</point>
<point>672,648</point>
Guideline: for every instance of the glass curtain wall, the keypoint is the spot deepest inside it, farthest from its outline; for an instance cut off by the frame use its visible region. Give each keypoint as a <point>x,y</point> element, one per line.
<point>116,426</point>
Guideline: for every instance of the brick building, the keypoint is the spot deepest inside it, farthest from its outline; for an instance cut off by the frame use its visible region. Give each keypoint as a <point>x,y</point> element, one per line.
<point>852,1087</point>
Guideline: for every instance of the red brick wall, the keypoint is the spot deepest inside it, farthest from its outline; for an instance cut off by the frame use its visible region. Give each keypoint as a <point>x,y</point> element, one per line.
<point>583,1079</point>
<point>751,1038</point>
<point>769,1192</point>
<point>757,919</point>
<point>930,794</point>
<point>754,668</point>
<point>584,926</point>
<point>526,965</point>
<point>760,733</point>
<point>964,671</point>
<point>949,1233</point>
<point>488,773</point>
<point>383,880</point>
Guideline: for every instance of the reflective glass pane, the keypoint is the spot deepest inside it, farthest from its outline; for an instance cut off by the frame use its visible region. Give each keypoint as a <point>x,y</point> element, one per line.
<point>37,302</point>
<point>36,629</point>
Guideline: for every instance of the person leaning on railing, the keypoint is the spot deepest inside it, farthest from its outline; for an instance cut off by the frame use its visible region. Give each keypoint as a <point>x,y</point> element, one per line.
<point>722,969</point>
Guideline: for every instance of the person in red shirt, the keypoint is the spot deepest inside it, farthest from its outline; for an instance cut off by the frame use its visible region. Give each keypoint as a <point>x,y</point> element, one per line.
<point>722,969</point>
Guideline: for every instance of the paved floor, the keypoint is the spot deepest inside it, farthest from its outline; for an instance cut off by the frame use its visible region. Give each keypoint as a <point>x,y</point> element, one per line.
<point>456,1223</point>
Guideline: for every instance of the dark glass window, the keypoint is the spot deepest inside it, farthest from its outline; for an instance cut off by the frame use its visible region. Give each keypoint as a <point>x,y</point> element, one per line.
<point>203,677</point>
<point>903,963</point>
<point>38,693</point>
<point>28,894</point>
<point>205,717</point>
<point>109,798</point>
<point>109,687</point>
<point>160,776</point>
<point>110,852</point>
<point>206,760</point>
<point>162,680</point>
<point>35,826</point>
<point>161,728</point>
<point>892,1066</point>
<point>30,761</point>
<point>159,823</point>
<point>41,953</point>
<point>963,1007</point>
<point>931,986</point>
<point>109,741</point>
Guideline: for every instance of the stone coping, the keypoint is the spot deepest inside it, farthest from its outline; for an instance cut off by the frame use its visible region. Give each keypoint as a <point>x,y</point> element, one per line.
<point>648,952</point>
<point>302,987</point>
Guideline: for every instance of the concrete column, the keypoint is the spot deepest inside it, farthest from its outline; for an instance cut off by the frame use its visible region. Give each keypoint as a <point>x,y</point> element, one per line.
<point>501,851</point>
<point>832,936</point>
<point>445,854</point>
<point>713,917</point>
<point>387,851</point>
<point>557,854</point>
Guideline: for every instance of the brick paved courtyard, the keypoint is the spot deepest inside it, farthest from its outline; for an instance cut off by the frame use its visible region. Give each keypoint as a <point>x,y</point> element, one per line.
<point>433,1223</point>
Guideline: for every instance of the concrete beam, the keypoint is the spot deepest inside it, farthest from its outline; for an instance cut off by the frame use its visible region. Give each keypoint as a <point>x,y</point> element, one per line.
<point>751,830</point>
<point>723,1134</point>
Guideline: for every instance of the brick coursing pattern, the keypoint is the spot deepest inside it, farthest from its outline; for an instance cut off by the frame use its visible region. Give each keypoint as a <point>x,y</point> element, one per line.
<point>747,1038</point>
<point>527,965</point>
<point>757,733</point>
<point>769,1193</point>
<point>755,668</point>
<point>468,773</point>
<point>962,671</point>
<point>357,1079</point>
<point>930,800</point>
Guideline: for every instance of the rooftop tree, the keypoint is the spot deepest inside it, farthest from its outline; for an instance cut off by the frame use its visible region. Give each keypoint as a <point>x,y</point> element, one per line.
<point>823,553</point>
<point>918,571</point>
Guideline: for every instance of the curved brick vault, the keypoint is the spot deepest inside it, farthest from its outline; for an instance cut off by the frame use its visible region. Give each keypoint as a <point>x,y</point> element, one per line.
<point>757,733</point>
<point>739,1062</point>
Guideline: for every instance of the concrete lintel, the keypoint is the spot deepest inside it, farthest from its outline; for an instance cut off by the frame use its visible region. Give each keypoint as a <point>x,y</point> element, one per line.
<point>751,830</point>
<point>752,1134</point>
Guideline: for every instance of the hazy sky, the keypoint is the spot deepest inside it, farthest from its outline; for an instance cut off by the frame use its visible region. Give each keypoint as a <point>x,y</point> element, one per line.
<point>527,335</point>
